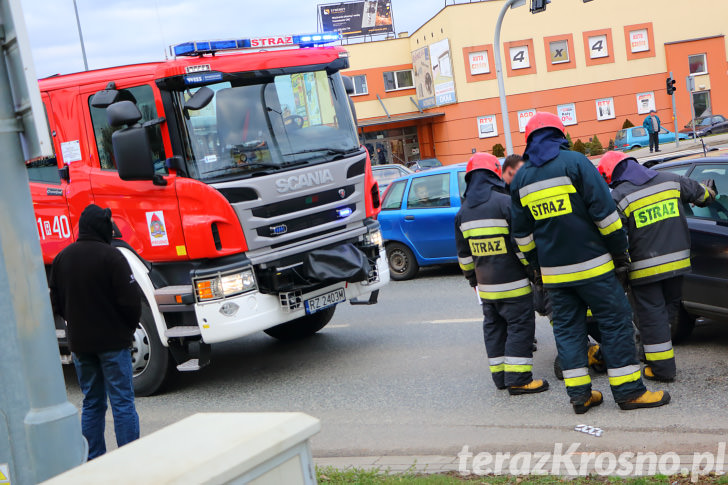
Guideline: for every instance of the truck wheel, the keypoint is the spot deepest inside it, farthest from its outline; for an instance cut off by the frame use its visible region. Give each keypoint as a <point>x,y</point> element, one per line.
<point>682,327</point>
<point>302,327</point>
<point>149,358</point>
<point>402,262</point>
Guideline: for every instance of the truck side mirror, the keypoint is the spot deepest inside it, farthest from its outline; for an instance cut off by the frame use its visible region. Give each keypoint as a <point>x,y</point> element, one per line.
<point>348,85</point>
<point>131,145</point>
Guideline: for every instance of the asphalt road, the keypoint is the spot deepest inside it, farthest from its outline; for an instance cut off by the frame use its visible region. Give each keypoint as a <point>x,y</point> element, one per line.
<point>409,376</point>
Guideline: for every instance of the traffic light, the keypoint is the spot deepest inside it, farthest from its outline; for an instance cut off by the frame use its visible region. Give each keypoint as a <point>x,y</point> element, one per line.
<point>538,5</point>
<point>670,84</point>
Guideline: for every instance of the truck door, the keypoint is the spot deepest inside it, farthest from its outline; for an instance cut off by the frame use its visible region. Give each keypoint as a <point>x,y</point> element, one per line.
<point>146,214</point>
<point>48,191</point>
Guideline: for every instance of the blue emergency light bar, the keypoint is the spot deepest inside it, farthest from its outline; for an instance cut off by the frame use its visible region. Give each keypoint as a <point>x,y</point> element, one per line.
<point>212,46</point>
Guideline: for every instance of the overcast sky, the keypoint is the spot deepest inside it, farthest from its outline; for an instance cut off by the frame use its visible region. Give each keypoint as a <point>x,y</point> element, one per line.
<point>117,32</point>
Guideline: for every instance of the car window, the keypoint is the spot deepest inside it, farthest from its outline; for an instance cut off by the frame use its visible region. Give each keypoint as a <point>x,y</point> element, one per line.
<point>429,191</point>
<point>393,199</point>
<point>663,131</point>
<point>681,170</point>
<point>461,184</point>
<point>639,132</point>
<point>620,135</point>
<point>386,175</point>
<point>718,210</point>
<point>705,122</point>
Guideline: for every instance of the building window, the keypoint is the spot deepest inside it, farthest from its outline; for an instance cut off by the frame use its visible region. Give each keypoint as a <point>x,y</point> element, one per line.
<point>698,65</point>
<point>559,51</point>
<point>519,57</point>
<point>394,80</point>
<point>360,84</point>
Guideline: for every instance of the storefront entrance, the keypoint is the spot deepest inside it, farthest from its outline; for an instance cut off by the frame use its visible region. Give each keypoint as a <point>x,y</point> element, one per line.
<point>399,145</point>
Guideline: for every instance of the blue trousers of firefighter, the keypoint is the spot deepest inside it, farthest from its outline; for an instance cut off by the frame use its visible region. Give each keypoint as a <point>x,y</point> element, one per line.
<point>613,314</point>
<point>508,328</point>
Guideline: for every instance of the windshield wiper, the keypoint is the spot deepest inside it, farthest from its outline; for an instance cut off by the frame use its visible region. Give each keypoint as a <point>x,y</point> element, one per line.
<point>327,150</point>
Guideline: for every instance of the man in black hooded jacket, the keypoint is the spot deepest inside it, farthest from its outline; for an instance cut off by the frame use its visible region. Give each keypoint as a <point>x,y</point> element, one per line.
<point>94,290</point>
<point>490,262</point>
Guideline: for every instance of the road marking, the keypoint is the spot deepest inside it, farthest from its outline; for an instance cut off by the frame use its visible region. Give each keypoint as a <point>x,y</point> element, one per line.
<point>341,325</point>
<point>452,320</point>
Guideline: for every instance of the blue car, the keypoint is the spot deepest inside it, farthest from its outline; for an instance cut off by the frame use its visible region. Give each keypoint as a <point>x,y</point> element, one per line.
<point>418,219</point>
<point>637,137</point>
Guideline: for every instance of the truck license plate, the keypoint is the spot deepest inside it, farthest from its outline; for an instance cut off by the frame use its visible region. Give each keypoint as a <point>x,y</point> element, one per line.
<point>323,301</point>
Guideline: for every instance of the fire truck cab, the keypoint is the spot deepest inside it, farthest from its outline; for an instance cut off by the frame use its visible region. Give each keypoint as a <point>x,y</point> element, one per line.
<point>240,194</point>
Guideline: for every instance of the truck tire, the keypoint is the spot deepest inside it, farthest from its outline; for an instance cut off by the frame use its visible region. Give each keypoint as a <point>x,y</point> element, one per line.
<point>682,327</point>
<point>402,262</point>
<point>302,327</point>
<point>150,359</point>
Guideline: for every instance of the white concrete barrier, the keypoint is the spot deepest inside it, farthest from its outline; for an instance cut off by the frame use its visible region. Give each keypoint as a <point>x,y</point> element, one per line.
<point>210,448</point>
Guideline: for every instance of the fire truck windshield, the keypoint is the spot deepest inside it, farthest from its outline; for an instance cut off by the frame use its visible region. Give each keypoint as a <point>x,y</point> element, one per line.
<point>272,124</point>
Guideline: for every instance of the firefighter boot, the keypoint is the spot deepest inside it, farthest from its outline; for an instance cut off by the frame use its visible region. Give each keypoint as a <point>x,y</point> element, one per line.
<point>536,385</point>
<point>650,399</point>
<point>649,374</point>
<point>595,399</point>
<point>596,360</point>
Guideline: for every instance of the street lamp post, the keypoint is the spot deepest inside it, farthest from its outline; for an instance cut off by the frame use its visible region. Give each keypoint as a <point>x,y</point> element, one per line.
<point>499,72</point>
<point>80,36</point>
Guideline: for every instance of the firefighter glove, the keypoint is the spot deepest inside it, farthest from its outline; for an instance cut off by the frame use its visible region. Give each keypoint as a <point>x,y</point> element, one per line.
<point>710,185</point>
<point>621,268</point>
<point>472,280</point>
<point>534,275</point>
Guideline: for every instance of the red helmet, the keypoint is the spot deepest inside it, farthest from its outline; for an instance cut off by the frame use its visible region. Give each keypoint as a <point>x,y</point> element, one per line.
<point>609,162</point>
<point>484,161</point>
<point>543,119</point>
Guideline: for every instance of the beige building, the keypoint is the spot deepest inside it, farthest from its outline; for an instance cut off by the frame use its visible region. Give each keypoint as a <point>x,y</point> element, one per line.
<point>434,92</point>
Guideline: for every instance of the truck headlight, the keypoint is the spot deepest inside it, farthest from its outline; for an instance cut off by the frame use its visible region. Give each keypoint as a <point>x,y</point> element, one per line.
<point>223,286</point>
<point>373,238</point>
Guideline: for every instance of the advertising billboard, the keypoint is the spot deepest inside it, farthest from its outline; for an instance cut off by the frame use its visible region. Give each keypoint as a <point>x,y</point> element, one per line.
<point>424,84</point>
<point>442,72</point>
<point>365,17</point>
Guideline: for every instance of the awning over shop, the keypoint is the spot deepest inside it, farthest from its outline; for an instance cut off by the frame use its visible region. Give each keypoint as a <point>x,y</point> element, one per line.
<point>397,118</point>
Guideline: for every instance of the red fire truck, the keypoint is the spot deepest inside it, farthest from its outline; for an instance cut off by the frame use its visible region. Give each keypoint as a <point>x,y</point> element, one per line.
<point>240,194</point>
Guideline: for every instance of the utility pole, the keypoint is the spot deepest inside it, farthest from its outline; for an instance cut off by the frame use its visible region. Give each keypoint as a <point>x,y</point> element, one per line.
<point>40,433</point>
<point>80,37</point>
<point>674,116</point>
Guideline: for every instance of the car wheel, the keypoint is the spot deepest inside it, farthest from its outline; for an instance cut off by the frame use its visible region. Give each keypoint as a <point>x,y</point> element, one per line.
<point>635,147</point>
<point>402,262</point>
<point>150,359</point>
<point>682,326</point>
<point>302,327</point>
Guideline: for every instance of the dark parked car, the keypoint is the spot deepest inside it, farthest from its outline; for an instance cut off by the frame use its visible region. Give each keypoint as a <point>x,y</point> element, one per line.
<point>706,125</point>
<point>424,164</point>
<point>705,289</point>
<point>387,172</point>
<point>418,219</point>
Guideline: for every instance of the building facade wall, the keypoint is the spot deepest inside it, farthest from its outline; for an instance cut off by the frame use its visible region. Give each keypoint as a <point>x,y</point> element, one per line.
<point>621,75</point>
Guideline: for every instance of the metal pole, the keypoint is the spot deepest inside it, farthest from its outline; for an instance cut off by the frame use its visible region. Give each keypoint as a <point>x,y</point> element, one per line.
<point>80,36</point>
<point>499,74</point>
<point>692,115</point>
<point>674,116</point>
<point>40,433</point>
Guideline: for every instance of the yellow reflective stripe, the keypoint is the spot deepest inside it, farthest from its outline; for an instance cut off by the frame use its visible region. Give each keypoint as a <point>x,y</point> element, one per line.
<point>668,354</point>
<point>497,368</point>
<point>485,231</point>
<point>498,295</point>
<point>528,247</point>
<point>645,201</point>
<point>707,194</point>
<point>579,275</point>
<point>518,367</point>
<point>577,381</point>
<point>549,192</point>
<point>589,312</point>
<point>467,267</point>
<point>523,261</point>
<point>619,380</point>
<point>614,226</point>
<point>659,269</point>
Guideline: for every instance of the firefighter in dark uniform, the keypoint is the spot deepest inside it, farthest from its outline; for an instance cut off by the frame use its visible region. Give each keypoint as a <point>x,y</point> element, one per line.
<point>488,258</point>
<point>649,203</point>
<point>567,225</point>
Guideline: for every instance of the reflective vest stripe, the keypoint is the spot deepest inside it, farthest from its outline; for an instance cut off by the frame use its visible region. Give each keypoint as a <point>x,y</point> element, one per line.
<point>706,196</point>
<point>668,354</point>
<point>576,377</point>
<point>541,185</point>
<point>646,192</point>
<point>660,264</point>
<point>496,360</point>
<point>525,244</point>
<point>497,368</point>
<point>466,264</point>
<point>658,347</point>
<point>485,231</point>
<point>623,375</point>
<point>519,360</point>
<point>496,364</point>
<point>609,224</point>
<point>483,223</point>
<point>522,258</point>
<point>576,272</point>
<point>518,368</point>
<point>545,193</point>
<point>499,295</point>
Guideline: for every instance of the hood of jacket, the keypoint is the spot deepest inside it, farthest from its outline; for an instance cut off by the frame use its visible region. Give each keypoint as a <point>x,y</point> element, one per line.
<point>95,224</point>
<point>481,185</point>
<point>630,170</point>
<point>544,145</point>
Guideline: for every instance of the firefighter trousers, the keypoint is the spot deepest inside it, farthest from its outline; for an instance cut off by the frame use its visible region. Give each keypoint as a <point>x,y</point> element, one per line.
<point>613,315</point>
<point>657,305</point>
<point>508,329</point>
